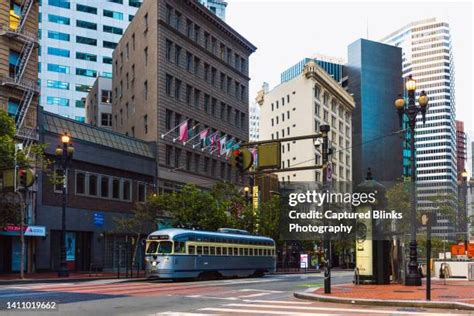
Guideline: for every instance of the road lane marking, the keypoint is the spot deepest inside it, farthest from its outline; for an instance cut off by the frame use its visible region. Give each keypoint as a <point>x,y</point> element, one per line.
<point>253,311</point>
<point>260,290</point>
<point>335,309</point>
<point>254,295</point>
<point>179,314</point>
<point>278,302</point>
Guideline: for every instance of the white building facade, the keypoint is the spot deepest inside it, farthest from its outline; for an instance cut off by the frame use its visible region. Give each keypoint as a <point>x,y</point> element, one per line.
<point>99,103</point>
<point>76,43</point>
<point>254,122</point>
<point>427,56</point>
<point>299,107</point>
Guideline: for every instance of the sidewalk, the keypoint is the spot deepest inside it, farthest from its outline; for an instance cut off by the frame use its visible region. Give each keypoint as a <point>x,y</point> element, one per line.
<point>455,294</point>
<point>52,277</point>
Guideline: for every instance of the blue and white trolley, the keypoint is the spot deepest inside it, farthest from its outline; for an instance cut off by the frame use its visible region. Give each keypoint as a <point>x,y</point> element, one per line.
<point>180,253</point>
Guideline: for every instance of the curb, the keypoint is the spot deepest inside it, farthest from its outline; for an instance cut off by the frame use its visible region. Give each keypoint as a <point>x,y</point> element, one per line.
<point>62,280</point>
<point>380,302</point>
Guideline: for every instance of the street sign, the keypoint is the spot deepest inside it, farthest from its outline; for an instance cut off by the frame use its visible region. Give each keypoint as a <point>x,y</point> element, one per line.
<point>269,156</point>
<point>255,195</point>
<point>99,219</point>
<point>303,260</point>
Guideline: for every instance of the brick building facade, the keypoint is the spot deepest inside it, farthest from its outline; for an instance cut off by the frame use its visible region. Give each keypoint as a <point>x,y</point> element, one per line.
<point>177,61</point>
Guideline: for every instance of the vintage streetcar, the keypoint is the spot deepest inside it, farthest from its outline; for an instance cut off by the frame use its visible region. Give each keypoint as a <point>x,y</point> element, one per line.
<point>180,253</point>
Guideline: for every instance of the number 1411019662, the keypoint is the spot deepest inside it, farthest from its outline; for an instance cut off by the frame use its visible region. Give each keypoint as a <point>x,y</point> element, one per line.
<point>28,305</point>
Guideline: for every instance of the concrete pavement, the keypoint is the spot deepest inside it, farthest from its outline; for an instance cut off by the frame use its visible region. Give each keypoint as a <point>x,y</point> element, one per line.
<point>270,295</point>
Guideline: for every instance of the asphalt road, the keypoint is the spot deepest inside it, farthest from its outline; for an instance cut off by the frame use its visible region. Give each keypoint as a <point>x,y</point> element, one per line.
<point>270,295</point>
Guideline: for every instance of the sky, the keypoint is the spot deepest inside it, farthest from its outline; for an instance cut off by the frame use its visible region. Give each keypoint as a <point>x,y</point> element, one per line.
<point>286,31</point>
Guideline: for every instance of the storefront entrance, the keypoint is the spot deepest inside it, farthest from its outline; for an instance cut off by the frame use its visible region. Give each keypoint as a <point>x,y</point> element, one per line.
<point>78,250</point>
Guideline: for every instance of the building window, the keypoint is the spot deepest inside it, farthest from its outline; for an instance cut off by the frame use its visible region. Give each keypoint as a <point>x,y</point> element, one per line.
<point>107,44</point>
<point>197,95</point>
<point>86,40</point>
<point>59,36</point>
<point>177,89</point>
<point>91,57</point>
<point>189,61</point>
<point>145,52</point>
<point>106,119</point>
<point>106,96</point>
<point>59,19</point>
<point>57,101</point>
<point>141,192</point>
<point>168,155</point>
<point>177,156</point>
<point>168,49</point>
<point>86,72</point>
<point>86,25</point>
<point>188,160</point>
<point>116,189</point>
<point>113,14</point>
<point>127,188</point>
<point>189,90</point>
<point>177,55</point>
<point>112,29</point>
<point>145,90</point>
<point>104,186</point>
<point>92,185</point>
<point>145,123</point>
<point>168,83</point>
<point>80,183</point>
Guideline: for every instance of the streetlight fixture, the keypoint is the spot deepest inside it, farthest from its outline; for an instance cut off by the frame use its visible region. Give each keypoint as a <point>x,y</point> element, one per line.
<point>411,111</point>
<point>64,154</point>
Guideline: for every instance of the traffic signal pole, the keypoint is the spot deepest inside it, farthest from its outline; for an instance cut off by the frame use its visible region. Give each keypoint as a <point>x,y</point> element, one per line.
<point>327,243</point>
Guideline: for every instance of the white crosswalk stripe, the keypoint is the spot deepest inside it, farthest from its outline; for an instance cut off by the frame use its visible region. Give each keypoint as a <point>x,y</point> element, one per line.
<point>298,308</point>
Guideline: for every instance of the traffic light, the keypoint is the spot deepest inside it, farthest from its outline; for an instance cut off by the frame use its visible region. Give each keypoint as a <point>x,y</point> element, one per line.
<point>23,178</point>
<point>242,159</point>
<point>239,160</point>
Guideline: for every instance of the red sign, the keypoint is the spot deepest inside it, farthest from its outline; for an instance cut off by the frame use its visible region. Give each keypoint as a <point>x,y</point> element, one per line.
<point>470,250</point>
<point>458,250</point>
<point>13,228</point>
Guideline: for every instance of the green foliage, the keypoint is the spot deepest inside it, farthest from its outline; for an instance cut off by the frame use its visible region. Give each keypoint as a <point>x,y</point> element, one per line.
<point>223,206</point>
<point>7,142</point>
<point>193,208</point>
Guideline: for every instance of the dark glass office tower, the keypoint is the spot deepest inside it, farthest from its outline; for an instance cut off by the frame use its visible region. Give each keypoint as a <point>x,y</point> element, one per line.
<point>374,73</point>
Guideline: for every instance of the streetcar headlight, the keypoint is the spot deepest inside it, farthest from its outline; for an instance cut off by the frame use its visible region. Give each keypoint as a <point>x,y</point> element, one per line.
<point>153,263</point>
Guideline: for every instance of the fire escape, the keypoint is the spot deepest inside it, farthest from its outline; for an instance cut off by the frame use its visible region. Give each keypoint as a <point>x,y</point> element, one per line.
<point>15,31</point>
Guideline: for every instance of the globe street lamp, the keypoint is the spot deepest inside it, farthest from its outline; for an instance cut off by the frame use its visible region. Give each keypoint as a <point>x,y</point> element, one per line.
<point>411,111</point>
<point>64,155</point>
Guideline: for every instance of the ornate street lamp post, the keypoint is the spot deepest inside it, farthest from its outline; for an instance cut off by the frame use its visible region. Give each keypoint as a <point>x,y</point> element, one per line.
<point>64,155</point>
<point>411,111</point>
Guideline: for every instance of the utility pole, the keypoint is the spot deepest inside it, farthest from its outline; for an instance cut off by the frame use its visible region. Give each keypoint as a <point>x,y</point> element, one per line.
<point>326,184</point>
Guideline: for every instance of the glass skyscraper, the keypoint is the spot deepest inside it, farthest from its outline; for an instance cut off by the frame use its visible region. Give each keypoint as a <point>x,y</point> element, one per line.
<point>216,6</point>
<point>427,56</point>
<point>332,66</point>
<point>77,39</point>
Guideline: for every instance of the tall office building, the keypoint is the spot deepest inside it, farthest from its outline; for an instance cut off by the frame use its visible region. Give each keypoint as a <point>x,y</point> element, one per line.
<point>180,73</point>
<point>299,107</point>
<point>427,56</point>
<point>215,6</point>
<point>333,66</point>
<point>254,122</point>
<point>461,148</point>
<point>76,43</point>
<point>374,74</point>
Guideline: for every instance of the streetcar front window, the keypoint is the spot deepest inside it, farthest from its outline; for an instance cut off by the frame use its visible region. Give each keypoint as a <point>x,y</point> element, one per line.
<point>159,247</point>
<point>165,247</point>
<point>152,247</point>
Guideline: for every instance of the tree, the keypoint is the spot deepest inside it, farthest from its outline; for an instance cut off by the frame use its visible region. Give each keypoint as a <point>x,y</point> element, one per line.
<point>142,218</point>
<point>12,204</point>
<point>192,208</point>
